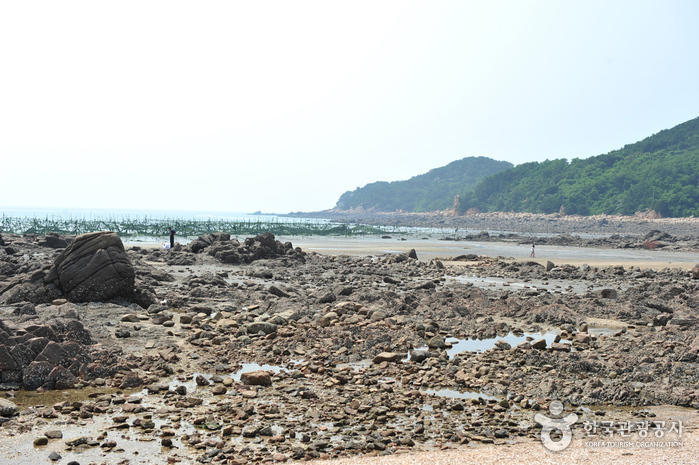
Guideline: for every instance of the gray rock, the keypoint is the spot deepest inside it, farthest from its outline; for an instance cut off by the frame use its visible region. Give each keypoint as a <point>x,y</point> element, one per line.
<point>34,376</point>
<point>94,267</point>
<point>608,293</point>
<point>266,431</point>
<point>327,298</point>
<point>503,344</point>
<point>387,357</point>
<point>437,342</point>
<point>326,319</point>
<point>77,441</point>
<point>378,315</point>
<point>418,356</point>
<point>8,408</point>
<point>274,290</point>
<point>267,328</point>
<point>54,241</point>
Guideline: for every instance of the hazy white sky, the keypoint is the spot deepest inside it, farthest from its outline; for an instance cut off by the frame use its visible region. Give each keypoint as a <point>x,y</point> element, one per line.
<point>284,105</point>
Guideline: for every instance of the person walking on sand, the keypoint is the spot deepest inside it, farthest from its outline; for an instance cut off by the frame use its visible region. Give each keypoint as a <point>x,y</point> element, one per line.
<point>532,254</point>
<point>172,238</point>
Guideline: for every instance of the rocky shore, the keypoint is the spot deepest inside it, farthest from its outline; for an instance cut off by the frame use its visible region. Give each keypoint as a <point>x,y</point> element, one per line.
<point>519,223</point>
<point>228,351</point>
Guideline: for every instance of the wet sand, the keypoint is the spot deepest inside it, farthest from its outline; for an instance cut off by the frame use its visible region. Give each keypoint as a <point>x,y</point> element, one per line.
<point>444,250</point>
<point>429,249</point>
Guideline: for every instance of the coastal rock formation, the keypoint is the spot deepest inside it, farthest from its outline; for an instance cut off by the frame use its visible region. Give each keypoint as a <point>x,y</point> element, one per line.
<point>264,246</point>
<point>48,350</point>
<point>94,267</point>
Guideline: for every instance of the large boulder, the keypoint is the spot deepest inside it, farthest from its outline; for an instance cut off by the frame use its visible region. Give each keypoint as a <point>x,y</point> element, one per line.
<point>94,267</point>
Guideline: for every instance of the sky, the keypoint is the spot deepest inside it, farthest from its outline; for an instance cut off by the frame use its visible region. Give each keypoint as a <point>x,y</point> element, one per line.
<point>282,106</point>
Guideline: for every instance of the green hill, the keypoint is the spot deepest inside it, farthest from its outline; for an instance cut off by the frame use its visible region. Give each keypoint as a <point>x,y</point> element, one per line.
<point>659,173</point>
<point>432,191</point>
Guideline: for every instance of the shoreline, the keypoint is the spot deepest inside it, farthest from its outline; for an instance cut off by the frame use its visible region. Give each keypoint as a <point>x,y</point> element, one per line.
<point>523,223</point>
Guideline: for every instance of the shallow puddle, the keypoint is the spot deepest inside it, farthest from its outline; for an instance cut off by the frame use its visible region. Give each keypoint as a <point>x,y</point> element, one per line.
<point>133,445</point>
<point>480,345</point>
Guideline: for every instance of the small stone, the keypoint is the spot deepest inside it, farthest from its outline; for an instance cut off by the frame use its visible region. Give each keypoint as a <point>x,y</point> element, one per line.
<point>387,357</point>
<point>8,408</point>
<point>54,456</point>
<point>41,441</point>
<point>503,344</point>
<point>437,342</point>
<point>266,431</point>
<point>77,441</point>
<point>418,356</point>
<point>202,381</point>
<point>256,378</point>
<point>219,390</point>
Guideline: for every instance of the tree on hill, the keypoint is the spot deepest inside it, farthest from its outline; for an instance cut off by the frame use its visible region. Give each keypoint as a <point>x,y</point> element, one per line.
<point>432,191</point>
<point>659,173</point>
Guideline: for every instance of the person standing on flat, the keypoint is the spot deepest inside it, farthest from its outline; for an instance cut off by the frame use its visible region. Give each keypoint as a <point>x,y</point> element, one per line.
<point>172,238</point>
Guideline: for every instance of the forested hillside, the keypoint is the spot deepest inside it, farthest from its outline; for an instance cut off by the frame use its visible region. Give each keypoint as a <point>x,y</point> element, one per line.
<point>434,190</point>
<point>659,173</point>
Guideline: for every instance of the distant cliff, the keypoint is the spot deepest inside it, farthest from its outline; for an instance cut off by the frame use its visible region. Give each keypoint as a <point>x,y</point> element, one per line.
<point>432,191</point>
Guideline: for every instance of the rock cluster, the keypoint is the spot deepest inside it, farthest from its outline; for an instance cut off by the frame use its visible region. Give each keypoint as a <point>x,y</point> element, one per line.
<point>263,246</point>
<point>88,268</point>
<point>50,352</point>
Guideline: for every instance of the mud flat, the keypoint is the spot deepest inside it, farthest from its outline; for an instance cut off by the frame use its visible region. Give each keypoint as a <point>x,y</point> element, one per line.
<point>364,353</point>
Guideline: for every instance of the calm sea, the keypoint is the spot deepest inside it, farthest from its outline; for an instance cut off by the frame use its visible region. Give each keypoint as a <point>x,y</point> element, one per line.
<point>67,213</point>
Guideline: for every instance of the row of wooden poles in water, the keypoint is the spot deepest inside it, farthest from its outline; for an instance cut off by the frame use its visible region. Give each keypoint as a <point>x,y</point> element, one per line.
<point>148,227</point>
<point>153,227</point>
